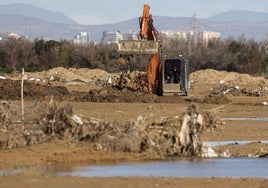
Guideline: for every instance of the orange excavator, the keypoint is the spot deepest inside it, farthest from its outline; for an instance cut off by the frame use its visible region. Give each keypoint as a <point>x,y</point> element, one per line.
<point>170,77</point>
<point>148,32</point>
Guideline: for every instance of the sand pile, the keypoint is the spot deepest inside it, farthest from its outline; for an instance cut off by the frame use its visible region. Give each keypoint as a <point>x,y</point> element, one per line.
<point>71,74</point>
<point>93,75</point>
<point>214,77</point>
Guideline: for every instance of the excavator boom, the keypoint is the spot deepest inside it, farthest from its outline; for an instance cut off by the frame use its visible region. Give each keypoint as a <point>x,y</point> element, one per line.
<point>147,29</point>
<point>147,45</point>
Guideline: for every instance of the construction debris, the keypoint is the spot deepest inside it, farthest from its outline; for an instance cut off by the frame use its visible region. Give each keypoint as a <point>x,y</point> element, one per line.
<point>137,81</point>
<point>218,95</point>
<point>172,136</point>
<point>260,153</point>
<point>236,91</point>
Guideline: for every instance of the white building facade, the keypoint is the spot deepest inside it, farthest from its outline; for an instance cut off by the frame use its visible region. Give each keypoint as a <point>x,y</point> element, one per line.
<point>82,38</point>
<point>5,36</point>
<point>209,35</point>
<point>174,34</point>
<point>114,37</point>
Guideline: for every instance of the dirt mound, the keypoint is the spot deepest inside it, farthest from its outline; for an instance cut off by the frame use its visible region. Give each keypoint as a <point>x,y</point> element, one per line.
<point>68,75</point>
<point>115,94</point>
<point>123,87</point>
<point>214,76</point>
<point>124,92</point>
<point>215,99</point>
<point>11,90</point>
<point>91,76</point>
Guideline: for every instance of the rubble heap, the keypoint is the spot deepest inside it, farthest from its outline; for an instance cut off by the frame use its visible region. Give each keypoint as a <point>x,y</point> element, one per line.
<point>136,81</point>
<point>218,95</point>
<point>237,91</point>
<point>163,137</point>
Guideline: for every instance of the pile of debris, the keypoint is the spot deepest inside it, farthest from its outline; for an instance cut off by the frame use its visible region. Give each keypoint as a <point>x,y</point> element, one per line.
<point>179,135</point>
<point>136,81</point>
<point>260,153</point>
<point>237,91</point>
<point>173,136</point>
<point>218,95</point>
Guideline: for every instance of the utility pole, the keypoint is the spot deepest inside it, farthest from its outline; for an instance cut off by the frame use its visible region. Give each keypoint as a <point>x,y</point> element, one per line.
<point>194,32</point>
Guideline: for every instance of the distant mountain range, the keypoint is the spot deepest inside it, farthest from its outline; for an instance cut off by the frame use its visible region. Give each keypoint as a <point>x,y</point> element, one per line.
<point>240,16</point>
<point>31,11</point>
<point>32,21</point>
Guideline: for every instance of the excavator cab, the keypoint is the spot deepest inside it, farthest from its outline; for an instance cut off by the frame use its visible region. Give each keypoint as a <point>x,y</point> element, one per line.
<point>175,75</point>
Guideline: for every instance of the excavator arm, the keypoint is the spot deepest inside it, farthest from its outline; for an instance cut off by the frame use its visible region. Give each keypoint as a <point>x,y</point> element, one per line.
<point>147,45</point>
<point>147,29</point>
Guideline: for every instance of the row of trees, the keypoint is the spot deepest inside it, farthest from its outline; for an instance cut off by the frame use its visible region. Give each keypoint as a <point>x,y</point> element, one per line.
<point>42,55</point>
<point>239,55</point>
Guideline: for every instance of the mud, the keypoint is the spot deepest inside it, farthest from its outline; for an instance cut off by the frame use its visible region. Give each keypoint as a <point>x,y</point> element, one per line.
<point>11,90</point>
<point>35,139</point>
<point>173,136</point>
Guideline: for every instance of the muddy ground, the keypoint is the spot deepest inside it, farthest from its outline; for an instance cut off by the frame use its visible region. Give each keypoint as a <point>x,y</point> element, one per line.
<point>100,102</point>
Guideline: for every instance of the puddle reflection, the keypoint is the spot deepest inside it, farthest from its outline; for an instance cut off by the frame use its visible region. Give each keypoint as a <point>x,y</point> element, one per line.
<point>209,167</point>
<point>245,119</point>
<point>224,143</point>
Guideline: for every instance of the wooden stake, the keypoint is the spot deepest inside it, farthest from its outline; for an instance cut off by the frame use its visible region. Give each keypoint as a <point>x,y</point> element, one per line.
<point>22,99</point>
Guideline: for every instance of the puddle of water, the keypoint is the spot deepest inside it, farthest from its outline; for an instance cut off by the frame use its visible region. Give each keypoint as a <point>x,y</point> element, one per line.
<point>223,143</point>
<point>11,172</point>
<point>209,167</point>
<point>245,119</point>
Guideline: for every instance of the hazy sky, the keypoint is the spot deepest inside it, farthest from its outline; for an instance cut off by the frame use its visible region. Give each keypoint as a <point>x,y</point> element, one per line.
<point>112,11</point>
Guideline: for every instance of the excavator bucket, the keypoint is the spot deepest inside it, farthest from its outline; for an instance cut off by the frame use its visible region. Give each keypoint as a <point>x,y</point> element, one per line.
<point>138,47</point>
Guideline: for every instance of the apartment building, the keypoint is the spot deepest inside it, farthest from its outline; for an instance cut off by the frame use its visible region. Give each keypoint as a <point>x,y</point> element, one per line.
<point>114,37</point>
<point>5,36</point>
<point>174,34</point>
<point>82,38</point>
<point>209,35</point>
